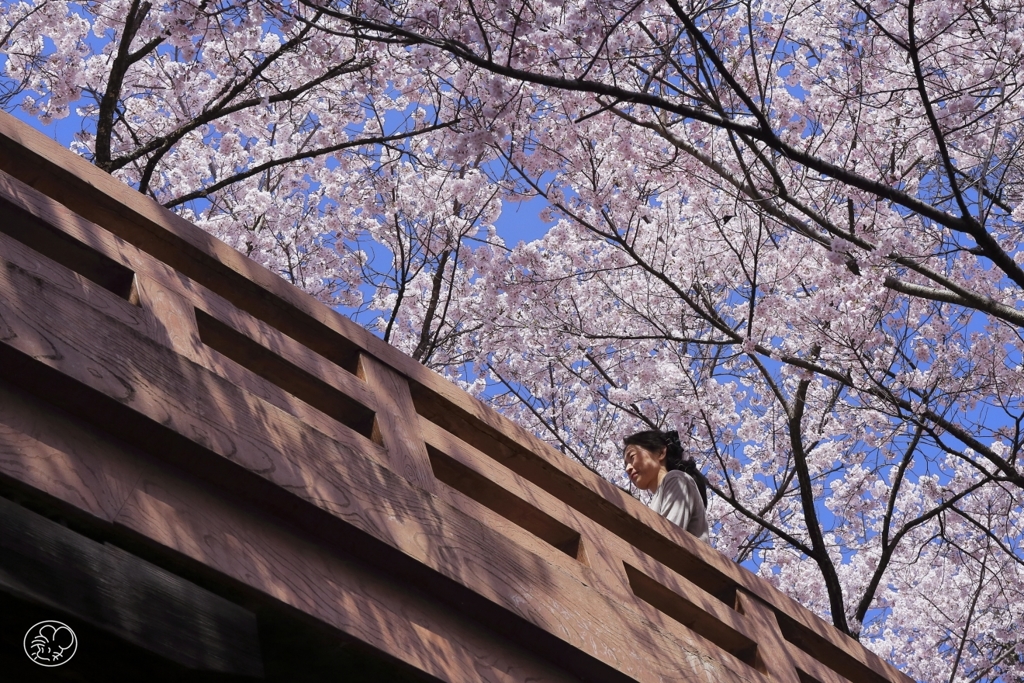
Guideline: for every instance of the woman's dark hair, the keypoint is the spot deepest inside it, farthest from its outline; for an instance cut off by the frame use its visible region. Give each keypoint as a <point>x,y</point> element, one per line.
<point>653,440</point>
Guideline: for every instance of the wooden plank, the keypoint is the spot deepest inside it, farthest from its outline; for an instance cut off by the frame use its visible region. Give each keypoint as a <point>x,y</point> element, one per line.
<point>815,670</point>
<point>173,324</point>
<point>165,294</point>
<point>44,165</point>
<point>95,350</point>
<point>710,613</point>
<point>604,553</point>
<point>390,615</point>
<point>119,593</point>
<point>509,507</point>
<point>171,318</point>
<point>816,653</point>
<point>772,650</point>
<point>229,350</point>
<point>166,317</point>
<point>287,348</point>
<point>340,479</point>
<point>678,608</point>
<point>485,514</point>
<point>46,450</point>
<point>360,601</point>
<point>70,284</point>
<point>96,267</point>
<point>397,423</point>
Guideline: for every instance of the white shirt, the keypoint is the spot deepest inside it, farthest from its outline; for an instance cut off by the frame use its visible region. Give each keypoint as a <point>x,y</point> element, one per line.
<point>678,500</point>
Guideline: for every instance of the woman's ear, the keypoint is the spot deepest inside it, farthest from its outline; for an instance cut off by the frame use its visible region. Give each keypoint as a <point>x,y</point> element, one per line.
<point>662,455</point>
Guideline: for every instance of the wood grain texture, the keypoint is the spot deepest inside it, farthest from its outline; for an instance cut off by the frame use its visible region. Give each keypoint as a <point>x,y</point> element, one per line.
<point>39,269</point>
<point>397,422</point>
<point>773,651</point>
<point>224,341</point>
<point>43,449</point>
<point>501,524</point>
<point>49,211</point>
<point>166,317</point>
<point>341,478</point>
<point>270,558</point>
<point>507,505</point>
<point>58,246</point>
<point>171,318</point>
<point>168,300</point>
<point>604,551</point>
<point>359,600</point>
<point>345,381</point>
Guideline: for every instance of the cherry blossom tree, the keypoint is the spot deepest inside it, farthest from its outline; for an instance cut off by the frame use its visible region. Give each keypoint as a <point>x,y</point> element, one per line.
<point>256,123</point>
<point>790,229</point>
<point>793,229</point>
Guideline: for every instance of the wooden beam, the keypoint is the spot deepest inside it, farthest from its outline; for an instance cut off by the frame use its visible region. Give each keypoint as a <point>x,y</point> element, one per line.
<point>772,652</point>
<point>396,424</point>
<point>309,574</point>
<point>144,605</point>
<point>320,578</point>
<point>170,395</point>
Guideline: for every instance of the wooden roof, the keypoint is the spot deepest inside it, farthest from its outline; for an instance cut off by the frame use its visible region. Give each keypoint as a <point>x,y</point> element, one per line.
<point>230,423</point>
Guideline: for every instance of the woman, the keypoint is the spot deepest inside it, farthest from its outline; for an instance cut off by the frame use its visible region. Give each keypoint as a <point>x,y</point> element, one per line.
<point>654,462</point>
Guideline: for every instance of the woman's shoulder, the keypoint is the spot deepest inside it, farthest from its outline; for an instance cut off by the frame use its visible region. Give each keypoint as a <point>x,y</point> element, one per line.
<point>677,480</point>
<point>677,476</point>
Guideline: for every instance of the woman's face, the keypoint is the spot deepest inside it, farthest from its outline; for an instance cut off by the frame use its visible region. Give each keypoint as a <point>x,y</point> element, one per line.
<point>643,466</point>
